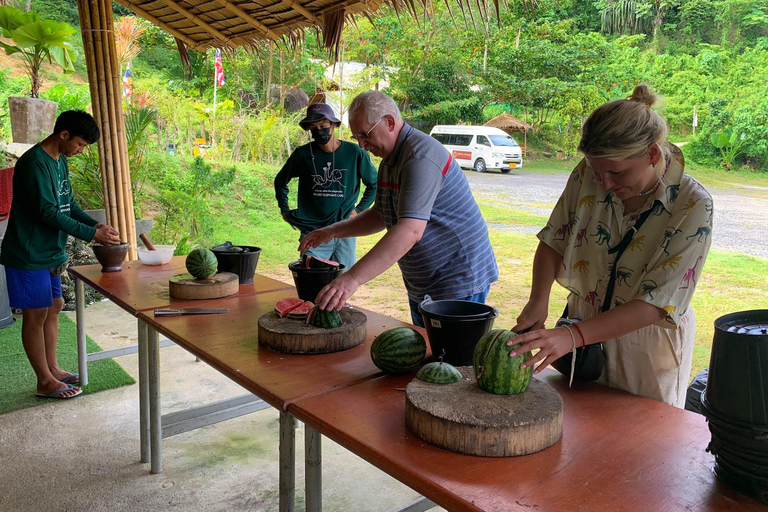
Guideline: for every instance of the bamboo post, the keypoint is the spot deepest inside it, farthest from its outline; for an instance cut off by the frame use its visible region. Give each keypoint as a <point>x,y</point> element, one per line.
<point>106,97</point>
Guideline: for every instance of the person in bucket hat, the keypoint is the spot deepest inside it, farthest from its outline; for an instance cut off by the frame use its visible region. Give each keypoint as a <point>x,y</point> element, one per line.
<point>330,173</point>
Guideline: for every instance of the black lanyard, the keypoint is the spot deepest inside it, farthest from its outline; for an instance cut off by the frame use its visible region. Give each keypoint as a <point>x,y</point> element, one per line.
<point>619,248</point>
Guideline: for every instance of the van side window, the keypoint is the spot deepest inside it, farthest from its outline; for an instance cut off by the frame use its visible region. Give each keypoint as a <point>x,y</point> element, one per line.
<point>453,139</point>
<point>483,140</point>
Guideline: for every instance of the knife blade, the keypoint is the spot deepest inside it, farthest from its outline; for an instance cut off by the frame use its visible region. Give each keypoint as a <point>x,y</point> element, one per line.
<point>190,311</point>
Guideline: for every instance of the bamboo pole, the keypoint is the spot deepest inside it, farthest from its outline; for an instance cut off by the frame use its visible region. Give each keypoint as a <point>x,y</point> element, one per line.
<point>125,167</point>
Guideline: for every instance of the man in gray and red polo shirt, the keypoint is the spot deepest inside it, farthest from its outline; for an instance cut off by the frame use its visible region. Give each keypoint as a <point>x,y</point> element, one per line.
<point>435,231</point>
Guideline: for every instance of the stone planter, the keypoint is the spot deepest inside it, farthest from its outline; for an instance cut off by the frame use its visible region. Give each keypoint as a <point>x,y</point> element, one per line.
<point>99,215</point>
<point>32,119</point>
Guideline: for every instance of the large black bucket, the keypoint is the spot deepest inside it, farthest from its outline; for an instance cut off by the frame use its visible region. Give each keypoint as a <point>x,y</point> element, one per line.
<point>309,281</point>
<point>737,385</point>
<point>241,263</point>
<point>455,326</point>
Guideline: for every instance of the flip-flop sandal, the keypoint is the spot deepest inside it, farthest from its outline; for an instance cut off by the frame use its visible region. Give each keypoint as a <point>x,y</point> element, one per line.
<point>55,394</point>
<point>72,379</point>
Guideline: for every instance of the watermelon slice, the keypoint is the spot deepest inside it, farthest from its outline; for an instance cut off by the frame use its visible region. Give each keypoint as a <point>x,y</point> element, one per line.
<point>312,262</point>
<point>301,311</point>
<point>285,306</point>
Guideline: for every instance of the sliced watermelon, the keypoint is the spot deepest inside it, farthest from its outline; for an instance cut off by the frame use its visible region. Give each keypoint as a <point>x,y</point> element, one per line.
<point>301,311</point>
<point>312,262</point>
<point>285,306</point>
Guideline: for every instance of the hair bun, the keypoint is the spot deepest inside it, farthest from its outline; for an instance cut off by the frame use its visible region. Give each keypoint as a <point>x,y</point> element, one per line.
<point>643,94</point>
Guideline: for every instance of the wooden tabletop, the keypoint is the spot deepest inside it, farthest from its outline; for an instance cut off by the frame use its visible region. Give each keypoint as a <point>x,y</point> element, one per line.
<point>137,286</point>
<point>229,343</point>
<point>618,452</point>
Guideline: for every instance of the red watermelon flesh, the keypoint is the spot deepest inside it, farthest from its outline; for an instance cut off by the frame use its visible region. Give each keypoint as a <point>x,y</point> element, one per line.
<point>285,306</point>
<point>313,262</point>
<point>301,311</point>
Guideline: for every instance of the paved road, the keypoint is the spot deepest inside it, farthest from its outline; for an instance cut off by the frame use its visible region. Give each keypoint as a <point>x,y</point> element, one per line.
<point>741,211</point>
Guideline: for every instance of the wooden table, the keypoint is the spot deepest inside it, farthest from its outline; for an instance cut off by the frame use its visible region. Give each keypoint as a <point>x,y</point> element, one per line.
<point>618,452</point>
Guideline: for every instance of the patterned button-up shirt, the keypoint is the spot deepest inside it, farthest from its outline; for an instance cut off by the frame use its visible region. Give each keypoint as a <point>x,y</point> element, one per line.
<point>662,263</point>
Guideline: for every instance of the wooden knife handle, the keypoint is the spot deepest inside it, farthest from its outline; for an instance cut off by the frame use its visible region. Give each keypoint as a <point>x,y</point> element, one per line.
<point>147,243</point>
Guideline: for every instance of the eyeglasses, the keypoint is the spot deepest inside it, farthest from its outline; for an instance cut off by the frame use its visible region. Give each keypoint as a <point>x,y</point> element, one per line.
<point>366,134</point>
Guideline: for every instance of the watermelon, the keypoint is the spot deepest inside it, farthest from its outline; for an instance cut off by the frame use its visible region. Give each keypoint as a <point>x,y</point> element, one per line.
<point>325,319</point>
<point>313,262</point>
<point>495,371</point>
<point>302,311</point>
<point>285,306</point>
<point>439,373</point>
<point>398,350</point>
<point>201,263</point>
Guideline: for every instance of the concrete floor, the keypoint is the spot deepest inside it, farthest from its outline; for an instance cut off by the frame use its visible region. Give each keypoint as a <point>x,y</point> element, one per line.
<point>83,454</point>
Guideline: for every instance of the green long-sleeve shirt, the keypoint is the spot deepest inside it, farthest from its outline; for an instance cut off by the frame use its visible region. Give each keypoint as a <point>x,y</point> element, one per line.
<point>329,184</point>
<point>43,213</point>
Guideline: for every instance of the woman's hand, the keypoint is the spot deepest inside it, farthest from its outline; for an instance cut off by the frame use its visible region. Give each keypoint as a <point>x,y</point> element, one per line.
<point>551,343</point>
<point>532,317</point>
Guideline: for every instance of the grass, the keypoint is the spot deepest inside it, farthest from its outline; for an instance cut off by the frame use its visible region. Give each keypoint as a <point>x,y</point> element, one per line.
<point>730,282</point>
<point>17,387</point>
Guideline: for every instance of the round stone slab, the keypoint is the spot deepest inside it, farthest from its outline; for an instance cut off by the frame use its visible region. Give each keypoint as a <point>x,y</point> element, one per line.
<point>463,418</point>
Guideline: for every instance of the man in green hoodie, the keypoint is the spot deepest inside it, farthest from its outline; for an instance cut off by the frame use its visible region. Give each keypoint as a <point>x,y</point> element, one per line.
<point>330,172</point>
<point>43,215</point>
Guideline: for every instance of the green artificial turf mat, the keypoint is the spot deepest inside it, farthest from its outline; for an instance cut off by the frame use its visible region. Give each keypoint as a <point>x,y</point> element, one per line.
<point>18,382</point>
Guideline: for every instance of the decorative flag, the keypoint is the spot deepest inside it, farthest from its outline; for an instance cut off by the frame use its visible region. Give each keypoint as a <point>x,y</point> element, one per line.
<point>219,75</point>
<point>127,87</point>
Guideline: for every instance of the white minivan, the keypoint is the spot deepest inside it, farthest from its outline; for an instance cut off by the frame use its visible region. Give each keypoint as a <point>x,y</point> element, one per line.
<point>480,147</point>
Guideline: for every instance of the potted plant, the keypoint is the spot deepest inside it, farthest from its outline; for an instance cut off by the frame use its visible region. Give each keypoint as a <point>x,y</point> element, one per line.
<point>35,40</point>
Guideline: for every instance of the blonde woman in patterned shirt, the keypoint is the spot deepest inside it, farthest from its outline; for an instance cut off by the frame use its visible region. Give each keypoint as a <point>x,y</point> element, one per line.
<point>648,326</point>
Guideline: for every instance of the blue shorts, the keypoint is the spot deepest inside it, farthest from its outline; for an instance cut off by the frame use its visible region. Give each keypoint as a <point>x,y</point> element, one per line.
<point>29,289</point>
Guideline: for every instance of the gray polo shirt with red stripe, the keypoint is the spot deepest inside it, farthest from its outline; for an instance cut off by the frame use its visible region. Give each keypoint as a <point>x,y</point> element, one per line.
<point>454,257</point>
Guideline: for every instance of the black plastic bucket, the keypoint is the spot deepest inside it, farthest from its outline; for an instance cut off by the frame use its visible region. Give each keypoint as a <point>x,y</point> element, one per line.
<point>737,385</point>
<point>455,326</point>
<point>241,263</point>
<point>309,281</point>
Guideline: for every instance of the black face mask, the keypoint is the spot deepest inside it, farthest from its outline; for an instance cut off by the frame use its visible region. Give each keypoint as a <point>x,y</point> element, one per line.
<point>322,135</point>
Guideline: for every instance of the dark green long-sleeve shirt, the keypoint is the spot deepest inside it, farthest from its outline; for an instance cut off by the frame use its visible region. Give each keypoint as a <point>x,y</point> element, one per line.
<point>329,185</point>
<point>43,213</point>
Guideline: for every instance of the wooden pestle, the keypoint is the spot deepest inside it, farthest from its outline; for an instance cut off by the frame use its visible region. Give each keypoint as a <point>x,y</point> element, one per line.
<point>147,243</point>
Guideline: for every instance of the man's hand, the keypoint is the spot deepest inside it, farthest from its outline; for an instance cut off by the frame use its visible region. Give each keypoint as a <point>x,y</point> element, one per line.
<point>353,213</point>
<point>336,293</point>
<point>315,239</point>
<point>106,234</point>
<point>285,218</point>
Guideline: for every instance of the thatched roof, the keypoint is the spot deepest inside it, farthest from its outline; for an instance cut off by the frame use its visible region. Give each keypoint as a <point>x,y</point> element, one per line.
<point>508,123</point>
<point>223,24</point>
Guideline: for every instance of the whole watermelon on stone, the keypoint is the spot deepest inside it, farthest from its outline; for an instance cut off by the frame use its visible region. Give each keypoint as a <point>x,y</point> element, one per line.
<point>495,371</point>
<point>201,263</point>
<point>398,350</point>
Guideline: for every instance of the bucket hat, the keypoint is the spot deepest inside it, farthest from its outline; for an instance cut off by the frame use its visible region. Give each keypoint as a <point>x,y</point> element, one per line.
<point>318,112</point>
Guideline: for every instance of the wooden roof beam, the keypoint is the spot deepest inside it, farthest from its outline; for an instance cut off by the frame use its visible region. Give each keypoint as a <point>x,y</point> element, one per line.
<point>250,20</point>
<point>196,19</point>
<point>144,14</point>
<point>296,6</point>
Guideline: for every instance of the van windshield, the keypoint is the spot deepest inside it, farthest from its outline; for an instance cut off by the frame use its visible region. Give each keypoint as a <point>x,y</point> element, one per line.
<point>503,140</point>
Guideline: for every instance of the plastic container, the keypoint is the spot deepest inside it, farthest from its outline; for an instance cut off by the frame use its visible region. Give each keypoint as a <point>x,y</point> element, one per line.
<point>455,326</point>
<point>737,387</point>
<point>309,281</point>
<point>241,263</point>
<point>160,256</point>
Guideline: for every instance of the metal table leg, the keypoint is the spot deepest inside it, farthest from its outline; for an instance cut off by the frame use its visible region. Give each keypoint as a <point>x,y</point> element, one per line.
<point>143,391</point>
<point>155,426</point>
<point>82,349</point>
<point>313,469</point>
<point>287,462</point>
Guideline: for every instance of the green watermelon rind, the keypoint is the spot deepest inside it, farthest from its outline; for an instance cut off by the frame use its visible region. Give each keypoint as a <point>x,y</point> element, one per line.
<point>201,263</point>
<point>439,373</point>
<point>324,319</point>
<point>398,350</point>
<point>495,371</point>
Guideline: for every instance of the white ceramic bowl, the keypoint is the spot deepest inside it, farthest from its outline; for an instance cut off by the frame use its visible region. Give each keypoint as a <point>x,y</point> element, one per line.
<point>160,256</point>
